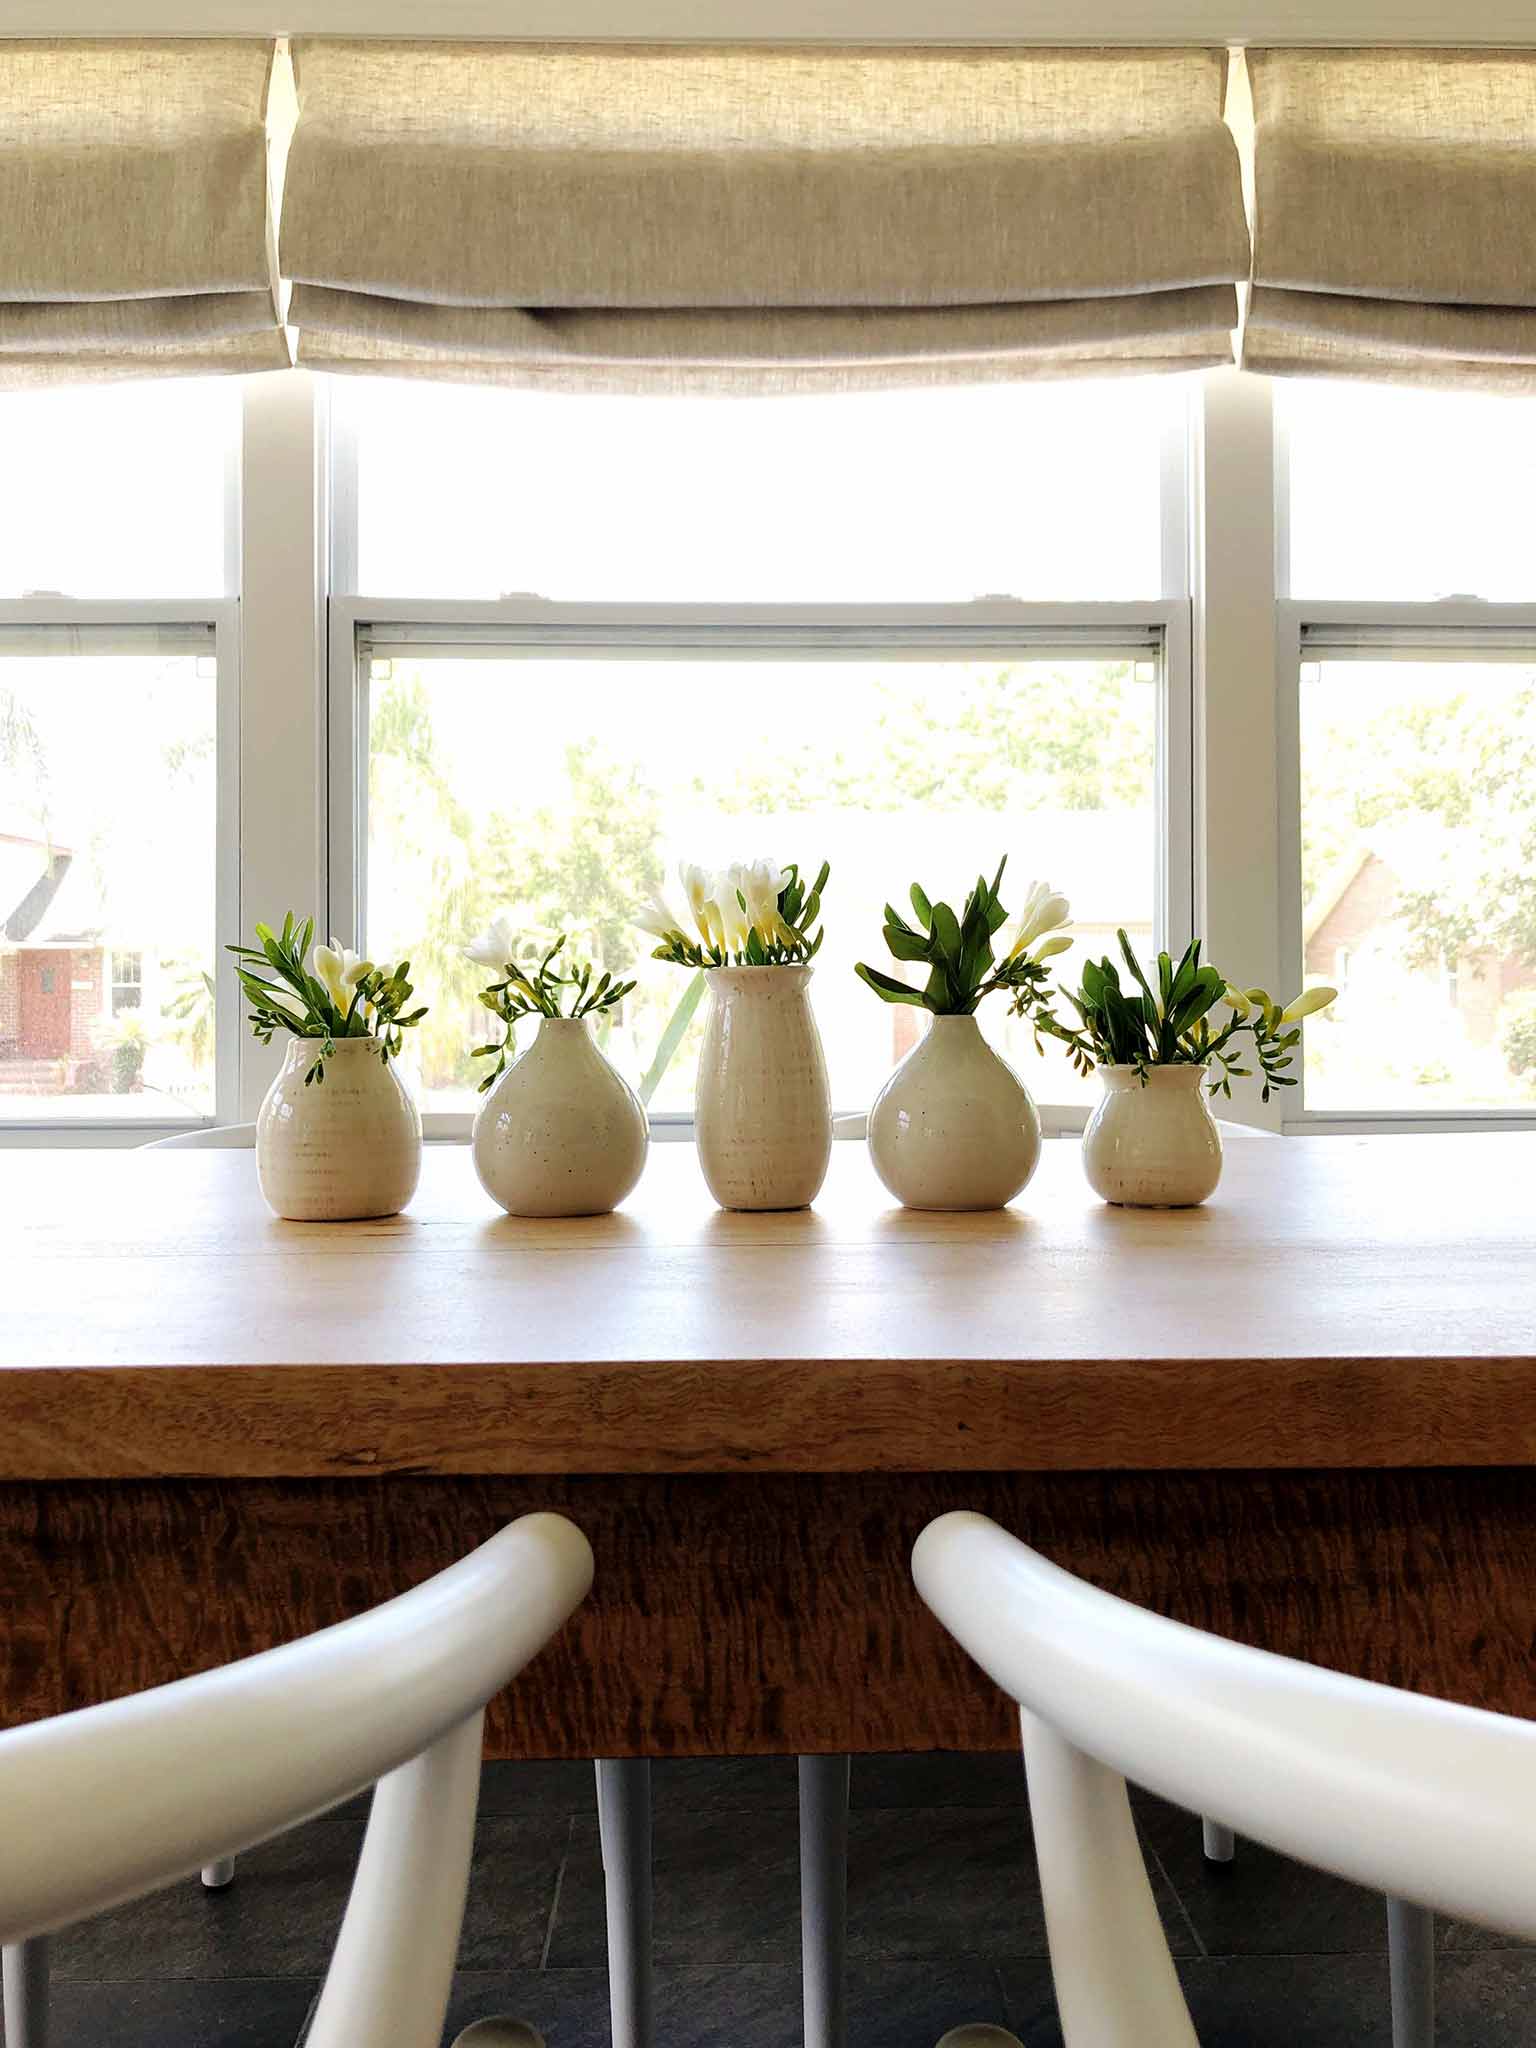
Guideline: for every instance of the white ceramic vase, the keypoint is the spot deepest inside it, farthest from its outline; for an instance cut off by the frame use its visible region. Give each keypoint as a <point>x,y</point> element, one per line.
<point>954,1127</point>
<point>341,1148</point>
<point>1154,1146</point>
<point>762,1110</point>
<point>560,1134</point>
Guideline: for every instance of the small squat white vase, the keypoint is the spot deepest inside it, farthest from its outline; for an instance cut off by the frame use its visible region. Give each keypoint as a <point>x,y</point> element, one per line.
<point>560,1134</point>
<point>954,1127</point>
<point>1153,1146</point>
<point>762,1108</point>
<point>342,1148</point>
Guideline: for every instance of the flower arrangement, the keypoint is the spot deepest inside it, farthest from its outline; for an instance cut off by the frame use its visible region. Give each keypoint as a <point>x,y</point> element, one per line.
<point>1174,1026</point>
<point>345,996</point>
<point>545,991</point>
<point>960,953</point>
<point>753,914</point>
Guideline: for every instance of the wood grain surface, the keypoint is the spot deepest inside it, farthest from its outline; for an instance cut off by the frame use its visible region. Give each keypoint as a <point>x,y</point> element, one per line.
<point>1341,1302</point>
<point>771,1613</point>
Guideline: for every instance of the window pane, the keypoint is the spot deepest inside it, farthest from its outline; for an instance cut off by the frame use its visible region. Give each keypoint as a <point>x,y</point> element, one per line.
<point>1046,492</point>
<point>1419,882</point>
<point>107,792</point>
<point>1409,495</point>
<point>117,490</point>
<point>557,790</point>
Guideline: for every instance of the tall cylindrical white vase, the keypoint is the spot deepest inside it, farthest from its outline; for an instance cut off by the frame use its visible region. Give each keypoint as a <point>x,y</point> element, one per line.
<point>560,1134</point>
<point>1153,1143</point>
<point>954,1127</point>
<point>762,1108</point>
<point>346,1147</point>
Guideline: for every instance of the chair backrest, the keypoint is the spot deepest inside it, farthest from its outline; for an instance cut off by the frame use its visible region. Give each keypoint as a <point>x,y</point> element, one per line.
<point>114,1801</point>
<point>208,1136</point>
<point>1409,1795</point>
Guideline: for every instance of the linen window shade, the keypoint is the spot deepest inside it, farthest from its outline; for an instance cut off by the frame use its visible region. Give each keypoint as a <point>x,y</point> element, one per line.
<point>1395,215</point>
<point>607,217</point>
<point>134,227</point>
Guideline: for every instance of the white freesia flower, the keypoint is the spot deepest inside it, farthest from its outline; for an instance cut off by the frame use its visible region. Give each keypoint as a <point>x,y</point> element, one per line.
<point>760,883</point>
<point>338,970</point>
<point>657,916</point>
<point>1307,1004</point>
<point>494,947</point>
<point>1051,947</point>
<point>732,889</point>
<point>1045,910</point>
<point>1238,1001</point>
<point>699,886</point>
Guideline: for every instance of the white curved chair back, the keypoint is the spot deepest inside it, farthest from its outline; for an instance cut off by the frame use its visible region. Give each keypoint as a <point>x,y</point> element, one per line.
<point>117,1800</point>
<point>210,1136</point>
<point>1409,1795</point>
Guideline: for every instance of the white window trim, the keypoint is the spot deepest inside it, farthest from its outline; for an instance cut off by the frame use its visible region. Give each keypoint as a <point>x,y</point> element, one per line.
<point>221,616</point>
<point>993,629</point>
<point>1449,630</point>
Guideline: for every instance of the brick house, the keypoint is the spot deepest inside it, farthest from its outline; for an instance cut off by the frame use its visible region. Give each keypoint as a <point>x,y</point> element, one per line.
<point>61,975</point>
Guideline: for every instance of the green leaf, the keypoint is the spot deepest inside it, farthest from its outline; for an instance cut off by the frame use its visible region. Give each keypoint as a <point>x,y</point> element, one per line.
<point>672,1037</point>
<point>921,905</point>
<point>946,934</point>
<point>888,988</point>
<point>905,945</point>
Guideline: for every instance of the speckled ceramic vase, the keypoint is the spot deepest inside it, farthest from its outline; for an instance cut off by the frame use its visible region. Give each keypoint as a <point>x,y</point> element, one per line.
<point>1155,1146</point>
<point>342,1148</point>
<point>954,1127</point>
<point>561,1134</point>
<point>762,1110</point>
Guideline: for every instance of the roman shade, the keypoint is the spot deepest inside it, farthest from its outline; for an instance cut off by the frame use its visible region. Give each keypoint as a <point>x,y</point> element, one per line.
<point>1395,216</point>
<point>607,217</point>
<point>134,227</point>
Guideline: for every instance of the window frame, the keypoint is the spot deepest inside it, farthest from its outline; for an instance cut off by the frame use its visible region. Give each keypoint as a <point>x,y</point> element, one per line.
<point>58,619</point>
<point>993,629</point>
<point>1447,630</point>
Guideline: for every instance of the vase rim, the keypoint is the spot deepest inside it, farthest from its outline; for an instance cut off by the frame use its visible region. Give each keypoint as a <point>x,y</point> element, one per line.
<point>802,969</point>
<point>1170,1069</point>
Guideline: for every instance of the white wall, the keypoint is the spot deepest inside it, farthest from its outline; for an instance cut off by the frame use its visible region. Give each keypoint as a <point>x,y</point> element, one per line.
<point>889,21</point>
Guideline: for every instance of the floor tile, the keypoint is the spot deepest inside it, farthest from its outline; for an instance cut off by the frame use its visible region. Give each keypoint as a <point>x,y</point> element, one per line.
<point>934,1883</point>
<point>230,2013</point>
<point>747,2005</point>
<point>525,1790</point>
<point>941,1778</point>
<point>279,1917</point>
<point>1261,1903</point>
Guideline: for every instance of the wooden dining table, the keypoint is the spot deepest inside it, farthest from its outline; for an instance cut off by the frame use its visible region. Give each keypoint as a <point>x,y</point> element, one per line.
<point>1303,1415</point>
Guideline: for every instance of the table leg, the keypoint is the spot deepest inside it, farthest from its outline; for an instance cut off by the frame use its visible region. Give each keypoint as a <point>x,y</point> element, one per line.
<point>824,1898</point>
<point>26,1994</point>
<point>1217,1842</point>
<point>1411,1954</point>
<point>624,1828</point>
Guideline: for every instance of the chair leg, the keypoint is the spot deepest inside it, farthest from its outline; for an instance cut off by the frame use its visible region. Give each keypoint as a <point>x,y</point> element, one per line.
<point>216,1876</point>
<point>1217,1842</point>
<point>26,1994</point>
<point>624,1826</point>
<point>1411,1956</point>
<point>824,1898</point>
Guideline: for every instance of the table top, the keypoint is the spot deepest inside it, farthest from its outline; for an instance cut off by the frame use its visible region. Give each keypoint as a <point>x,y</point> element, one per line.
<point>1339,1302</point>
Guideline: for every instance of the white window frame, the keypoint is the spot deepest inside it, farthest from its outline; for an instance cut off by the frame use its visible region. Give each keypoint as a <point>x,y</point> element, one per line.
<point>992,630</point>
<point>1450,631</point>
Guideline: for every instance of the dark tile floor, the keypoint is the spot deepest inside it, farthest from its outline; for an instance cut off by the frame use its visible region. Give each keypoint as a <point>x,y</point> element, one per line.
<point>944,1925</point>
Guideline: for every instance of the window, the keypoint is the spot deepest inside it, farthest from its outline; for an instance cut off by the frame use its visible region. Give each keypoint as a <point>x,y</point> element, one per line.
<point>551,759</point>
<point>1412,526</point>
<point>1046,493</point>
<point>127,982</point>
<point>557,788</point>
<point>117,855</point>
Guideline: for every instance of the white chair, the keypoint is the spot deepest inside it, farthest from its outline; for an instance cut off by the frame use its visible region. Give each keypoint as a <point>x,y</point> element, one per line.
<point>1425,1801</point>
<point>116,1801</point>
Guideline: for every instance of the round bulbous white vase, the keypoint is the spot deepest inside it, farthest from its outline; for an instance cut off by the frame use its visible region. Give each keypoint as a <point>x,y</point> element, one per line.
<point>560,1134</point>
<point>1153,1146</point>
<point>762,1108</point>
<point>954,1127</point>
<point>342,1148</point>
